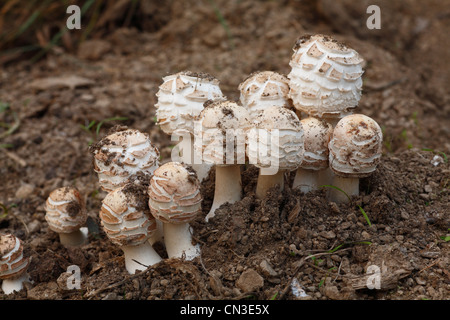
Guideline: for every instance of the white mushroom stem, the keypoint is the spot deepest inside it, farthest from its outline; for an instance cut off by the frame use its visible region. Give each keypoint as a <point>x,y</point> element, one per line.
<point>349,185</point>
<point>178,241</point>
<point>158,234</point>
<point>74,239</point>
<point>228,187</point>
<point>140,257</point>
<point>266,181</point>
<point>307,180</point>
<point>15,284</point>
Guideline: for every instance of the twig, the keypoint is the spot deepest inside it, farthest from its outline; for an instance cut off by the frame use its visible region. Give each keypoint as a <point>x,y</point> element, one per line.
<point>427,267</point>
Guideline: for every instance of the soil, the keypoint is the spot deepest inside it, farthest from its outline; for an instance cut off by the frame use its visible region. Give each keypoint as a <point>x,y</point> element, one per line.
<point>288,245</point>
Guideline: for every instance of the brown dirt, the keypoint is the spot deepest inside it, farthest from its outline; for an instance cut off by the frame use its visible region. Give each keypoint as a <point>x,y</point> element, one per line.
<point>253,248</point>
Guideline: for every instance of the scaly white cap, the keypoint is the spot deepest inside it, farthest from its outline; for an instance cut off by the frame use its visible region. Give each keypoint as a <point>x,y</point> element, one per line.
<point>65,210</point>
<point>181,98</point>
<point>317,136</point>
<point>356,146</point>
<point>121,155</point>
<point>275,139</point>
<point>12,262</point>
<point>174,193</point>
<point>325,79</point>
<point>264,89</point>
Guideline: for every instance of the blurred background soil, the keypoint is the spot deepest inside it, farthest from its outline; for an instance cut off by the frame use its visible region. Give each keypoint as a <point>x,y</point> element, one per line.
<point>62,89</point>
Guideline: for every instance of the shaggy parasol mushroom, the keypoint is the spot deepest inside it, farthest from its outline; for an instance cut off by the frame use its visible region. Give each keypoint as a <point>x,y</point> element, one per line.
<point>355,151</point>
<point>325,79</point>
<point>175,200</point>
<point>13,265</point>
<point>180,100</point>
<point>66,214</point>
<point>264,89</point>
<point>128,223</point>
<point>317,135</point>
<point>121,155</point>
<point>223,126</point>
<point>275,145</point>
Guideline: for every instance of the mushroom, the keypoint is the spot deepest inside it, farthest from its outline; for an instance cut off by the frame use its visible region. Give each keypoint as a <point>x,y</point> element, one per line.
<point>325,79</point>
<point>175,200</point>
<point>128,223</point>
<point>66,214</point>
<point>264,89</point>
<point>354,152</point>
<point>13,265</point>
<point>180,100</point>
<point>222,127</point>
<point>312,171</point>
<point>275,145</point>
<point>121,155</point>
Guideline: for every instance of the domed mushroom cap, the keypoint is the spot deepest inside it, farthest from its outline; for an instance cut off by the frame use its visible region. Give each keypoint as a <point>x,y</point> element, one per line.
<point>325,79</point>
<point>125,215</point>
<point>174,193</point>
<point>181,98</point>
<point>280,132</point>
<point>219,121</point>
<point>356,146</point>
<point>65,210</point>
<point>317,136</point>
<point>264,89</point>
<point>12,262</point>
<point>122,154</point>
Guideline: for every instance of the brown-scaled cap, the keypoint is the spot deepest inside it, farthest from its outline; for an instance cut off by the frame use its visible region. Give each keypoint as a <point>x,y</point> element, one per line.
<point>356,146</point>
<point>12,262</point>
<point>317,136</point>
<point>174,193</point>
<point>65,210</point>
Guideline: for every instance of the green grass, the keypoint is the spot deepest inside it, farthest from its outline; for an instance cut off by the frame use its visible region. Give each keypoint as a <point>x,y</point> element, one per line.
<point>94,127</point>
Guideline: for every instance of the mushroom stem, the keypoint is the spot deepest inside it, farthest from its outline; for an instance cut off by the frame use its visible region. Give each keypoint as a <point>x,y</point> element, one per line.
<point>74,239</point>
<point>228,187</point>
<point>349,185</point>
<point>157,235</point>
<point>140,257</point>
<point>306,180</point>
<point>266,181</point>
<point>178,241</point>
<point>15,284</point>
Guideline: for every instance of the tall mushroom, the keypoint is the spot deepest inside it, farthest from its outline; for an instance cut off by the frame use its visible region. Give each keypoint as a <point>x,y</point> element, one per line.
<point>264,89</point>
<point>13,264</point>
<point>66,214</point>
<point>355,151</point>
<point>309,175</point>
<point>180,100</point>
<point>128,223</point>
<point>275,145</point>
<point>175,200</point>
<point>223,126</point>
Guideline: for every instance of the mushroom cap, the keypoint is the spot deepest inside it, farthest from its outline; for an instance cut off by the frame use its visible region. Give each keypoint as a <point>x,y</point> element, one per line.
<point>220,121</point>
<point>325,78</point>
<point>317,136</point>
<point>65,210</point>
<point>12,262</point>
<point>181,98</point>
<point>122,154</point>
<point>125,215</point>
<point>264,89</point>
<point>174,193</point>
<point>279,132</point>
<point>356,146</point>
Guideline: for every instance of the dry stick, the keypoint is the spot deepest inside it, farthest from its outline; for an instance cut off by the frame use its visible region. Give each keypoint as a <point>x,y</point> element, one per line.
<point>429,266</point>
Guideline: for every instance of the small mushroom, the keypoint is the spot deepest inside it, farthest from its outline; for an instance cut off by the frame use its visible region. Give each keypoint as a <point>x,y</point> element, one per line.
<point>223,126</point>
<point>275,145</point>
<point>354,152</point>
<point>66,214</point>
<point>128,223</point>
<point>180,100</point>
<point>313,169</point>
<point>325,79</point>
<point>264,89</point>
<point>121,155</point>
<point>175,200</point>
<point>13,265</point>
